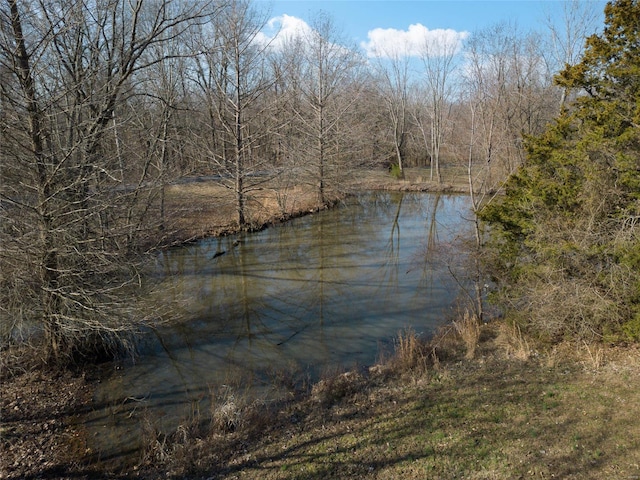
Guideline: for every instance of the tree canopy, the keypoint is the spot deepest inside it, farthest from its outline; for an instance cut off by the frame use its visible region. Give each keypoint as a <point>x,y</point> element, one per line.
<point>566,235</point>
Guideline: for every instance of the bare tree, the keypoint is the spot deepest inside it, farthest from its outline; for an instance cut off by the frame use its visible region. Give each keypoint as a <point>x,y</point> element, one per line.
<point>510,91</point>
<point>326,87</point>
<point>393,78</point>
<point>68,245</point>
<point>508,94</point>
<point>166,93</point>
<point>233,73</point>
<point>568,34</point>
<point>438,59</point>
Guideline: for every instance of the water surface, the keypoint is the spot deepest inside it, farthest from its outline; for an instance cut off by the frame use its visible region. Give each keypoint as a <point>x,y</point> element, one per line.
<point>320,292</point>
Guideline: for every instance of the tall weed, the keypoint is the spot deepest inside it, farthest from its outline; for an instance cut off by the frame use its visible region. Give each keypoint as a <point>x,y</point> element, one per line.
<point>410,352</point>
<point>468,328</point>
<point>515,344</point>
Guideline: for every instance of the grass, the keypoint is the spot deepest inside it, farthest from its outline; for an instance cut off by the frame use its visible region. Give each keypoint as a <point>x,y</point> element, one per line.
<point>207,208</point>
<point>496,416</point>
<point>468,328</point>
<point>410,353</point>
<point>454,180</point>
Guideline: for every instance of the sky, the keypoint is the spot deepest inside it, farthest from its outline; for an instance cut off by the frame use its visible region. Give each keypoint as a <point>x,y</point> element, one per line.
<point>372,23</point>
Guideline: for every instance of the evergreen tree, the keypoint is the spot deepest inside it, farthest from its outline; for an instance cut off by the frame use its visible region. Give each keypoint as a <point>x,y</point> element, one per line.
<point>566,235</point>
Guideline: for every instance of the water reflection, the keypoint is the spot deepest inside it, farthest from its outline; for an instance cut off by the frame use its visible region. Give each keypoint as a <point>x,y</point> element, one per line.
<point>320,291</point>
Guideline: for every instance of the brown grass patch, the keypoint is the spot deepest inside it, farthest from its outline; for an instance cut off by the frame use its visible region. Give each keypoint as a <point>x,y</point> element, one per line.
<point>468,328</point>
<point>512,341</point>
<point>410,353</point>
<point>207,208</point>
<point>204,209</point>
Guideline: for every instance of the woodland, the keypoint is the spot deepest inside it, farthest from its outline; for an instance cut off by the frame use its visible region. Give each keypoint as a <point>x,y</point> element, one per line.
<point>105,105</point>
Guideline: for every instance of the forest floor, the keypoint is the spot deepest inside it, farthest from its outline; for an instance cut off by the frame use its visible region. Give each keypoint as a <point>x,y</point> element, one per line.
<point>510,410</point>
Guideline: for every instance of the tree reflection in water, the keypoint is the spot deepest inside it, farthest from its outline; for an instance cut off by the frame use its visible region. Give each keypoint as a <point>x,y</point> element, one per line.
<point>319,292</point>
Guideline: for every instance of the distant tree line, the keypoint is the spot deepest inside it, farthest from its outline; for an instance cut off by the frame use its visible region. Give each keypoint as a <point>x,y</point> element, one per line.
<point>105,103</point>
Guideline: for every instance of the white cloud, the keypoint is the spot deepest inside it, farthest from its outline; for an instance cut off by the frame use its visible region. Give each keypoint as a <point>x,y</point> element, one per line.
<point>417,40</point>
<point>279,30</point>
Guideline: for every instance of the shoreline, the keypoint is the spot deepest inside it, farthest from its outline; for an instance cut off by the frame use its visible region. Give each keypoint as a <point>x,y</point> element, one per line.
<point>265,213</point>
<point>451,407</point>
<point>26,445</point>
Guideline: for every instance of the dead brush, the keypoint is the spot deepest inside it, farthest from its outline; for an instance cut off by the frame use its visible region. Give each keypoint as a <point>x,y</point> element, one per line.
<point>410,353</point>
<point>468,329</point>
<point>290,380</point>
<point>155,447</point>
<point>443,345</point>
<point>335,386</point>
<point>234,410</point>
<point>172,450</point>
<point>595,355</point>
<point>512,340</point>
<point>227,408</point>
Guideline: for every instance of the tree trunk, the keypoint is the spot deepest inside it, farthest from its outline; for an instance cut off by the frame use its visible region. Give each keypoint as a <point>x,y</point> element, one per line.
<point>48,267</point>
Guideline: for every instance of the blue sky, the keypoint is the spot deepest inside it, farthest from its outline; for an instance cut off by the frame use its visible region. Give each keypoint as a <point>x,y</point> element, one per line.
<point>357,19</point>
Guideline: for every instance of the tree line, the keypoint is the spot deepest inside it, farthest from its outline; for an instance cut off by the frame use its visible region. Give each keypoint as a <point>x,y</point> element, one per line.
<point>105,103</point>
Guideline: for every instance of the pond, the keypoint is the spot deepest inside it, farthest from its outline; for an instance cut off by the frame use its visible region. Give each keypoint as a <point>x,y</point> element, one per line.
<point>322,292</point>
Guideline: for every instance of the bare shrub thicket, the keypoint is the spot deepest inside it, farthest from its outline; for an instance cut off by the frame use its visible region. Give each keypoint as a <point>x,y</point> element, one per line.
<point>75,189</point>
<point>565,308</point>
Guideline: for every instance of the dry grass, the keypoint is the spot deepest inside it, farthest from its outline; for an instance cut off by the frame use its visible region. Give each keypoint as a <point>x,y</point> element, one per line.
<point>513,342</point>
<point>334,387</point>
<point>468,328</point>
<point>410,353</point>
<point>595,355</point>
<point>233,410</point>
<point>207,208</point>
<point>454,180</point>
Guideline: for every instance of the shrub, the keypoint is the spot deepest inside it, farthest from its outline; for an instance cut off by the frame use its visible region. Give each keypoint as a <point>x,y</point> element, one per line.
<point>632,328</point>
<point>396,172</point>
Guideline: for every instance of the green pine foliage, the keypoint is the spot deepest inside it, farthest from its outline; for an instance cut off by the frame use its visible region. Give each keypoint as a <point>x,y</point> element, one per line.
<point>565,247</point>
